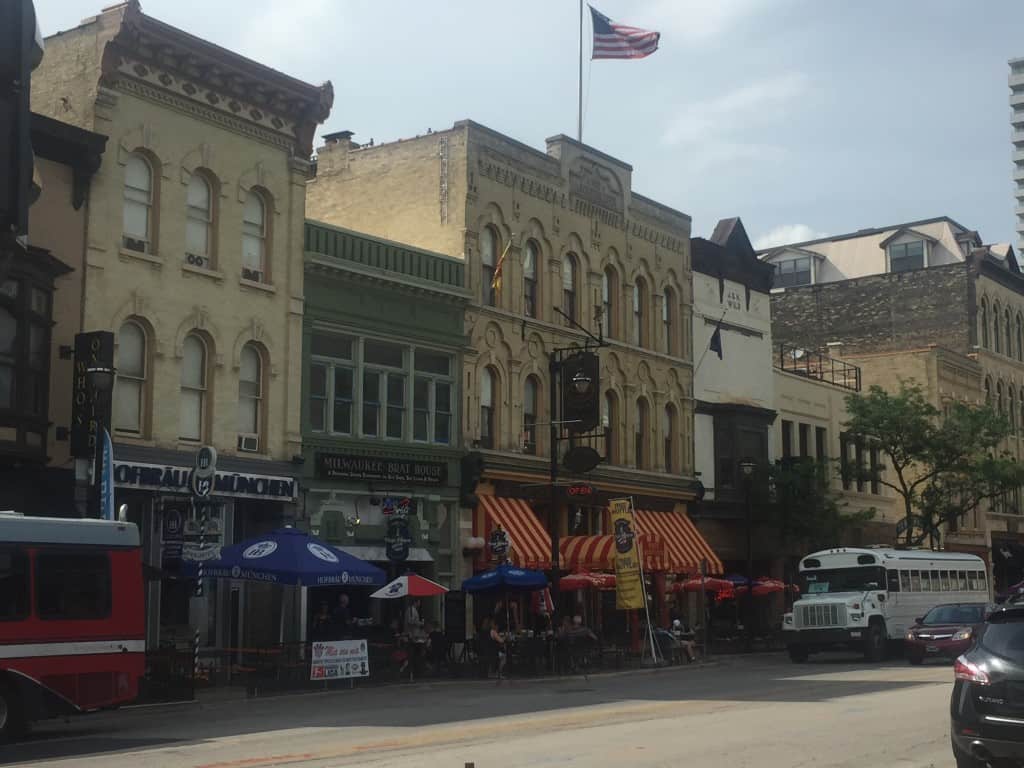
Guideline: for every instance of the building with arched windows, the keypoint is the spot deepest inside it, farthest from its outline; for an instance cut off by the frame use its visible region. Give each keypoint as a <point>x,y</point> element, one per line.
<point>194,262</point>
<point>551,240</point>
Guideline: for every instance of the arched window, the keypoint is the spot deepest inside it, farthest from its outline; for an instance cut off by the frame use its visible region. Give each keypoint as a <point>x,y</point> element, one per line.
<point>1020,409</point>
<point>488,263</point>
<point>668,319</point>
<point>1011,414</point>
<point>640,312</point>
<point>531,257</point>
<point>198,220</point>
<point>488,422</point>
<point>609,303</point>
<point>999,397</point>
<point>193,389</point>
<point>569,286</point>
<point>1020,337</point>
<point>1009,332</point>
<point>984,323</point>
<point>530,394</point>
<point>996,334</point>
<point>610,420</point>
<point>988,391</point>
<point>254,238</point>
<point>138,204</point>
<point>250,397</point>
<point>130,384</point>
<point>668,428</point>
<point>640,434</point>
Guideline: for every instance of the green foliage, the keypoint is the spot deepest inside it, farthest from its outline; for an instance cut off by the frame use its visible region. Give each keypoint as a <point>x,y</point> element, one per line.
<point>940,466</point>
<point>806,510</point>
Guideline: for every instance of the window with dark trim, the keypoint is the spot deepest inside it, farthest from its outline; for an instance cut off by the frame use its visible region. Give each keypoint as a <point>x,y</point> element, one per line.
<point>805,440</point>
<point>906,256</point>
<point>821,443</point>
<point>844,459</point>
<point>787,439</point>
<point>875,484</point>
<point>792,272</point>
<point>25,359</point>
<point>859,459</point>
<point>14,584</point>
<point>72,585</point>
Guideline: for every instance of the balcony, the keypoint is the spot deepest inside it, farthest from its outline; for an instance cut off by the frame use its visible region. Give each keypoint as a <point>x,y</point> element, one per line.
<point>814,365</point>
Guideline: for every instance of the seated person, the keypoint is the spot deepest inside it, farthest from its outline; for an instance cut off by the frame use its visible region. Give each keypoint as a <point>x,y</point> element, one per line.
<point>437,646</point>
<point>689,647</point>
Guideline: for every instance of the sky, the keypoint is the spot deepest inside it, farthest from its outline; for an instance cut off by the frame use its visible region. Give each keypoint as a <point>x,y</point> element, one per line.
<point>803,117</point>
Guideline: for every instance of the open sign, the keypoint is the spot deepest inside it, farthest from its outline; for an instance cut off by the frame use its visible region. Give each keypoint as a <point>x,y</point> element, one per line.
<point>579,490</point>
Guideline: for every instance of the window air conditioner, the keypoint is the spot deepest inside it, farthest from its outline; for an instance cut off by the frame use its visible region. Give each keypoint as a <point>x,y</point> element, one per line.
<point>250,443</point>
<point>252,274</point>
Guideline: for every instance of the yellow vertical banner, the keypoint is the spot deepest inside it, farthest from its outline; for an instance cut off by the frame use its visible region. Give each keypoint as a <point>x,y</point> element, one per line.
<point>629,588</point>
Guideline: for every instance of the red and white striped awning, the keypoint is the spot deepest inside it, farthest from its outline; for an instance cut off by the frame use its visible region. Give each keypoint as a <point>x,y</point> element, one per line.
<point>530,543</point>
<point>684,545</point>
<point>597,553</point>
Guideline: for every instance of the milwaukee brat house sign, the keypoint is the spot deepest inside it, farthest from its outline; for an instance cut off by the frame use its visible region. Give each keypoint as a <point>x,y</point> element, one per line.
<point>345,467</point>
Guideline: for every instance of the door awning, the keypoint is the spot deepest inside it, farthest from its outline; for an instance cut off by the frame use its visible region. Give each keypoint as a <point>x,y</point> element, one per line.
<point>597,553</point>
<point>685,547</point>
<point>530,543</point>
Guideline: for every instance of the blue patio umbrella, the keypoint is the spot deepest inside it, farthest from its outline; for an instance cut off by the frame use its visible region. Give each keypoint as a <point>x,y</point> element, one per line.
<point>290,556</point>
<point>506,577</point>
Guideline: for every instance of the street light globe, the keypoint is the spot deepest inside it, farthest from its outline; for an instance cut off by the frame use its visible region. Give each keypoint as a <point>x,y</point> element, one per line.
<point>101,379</point>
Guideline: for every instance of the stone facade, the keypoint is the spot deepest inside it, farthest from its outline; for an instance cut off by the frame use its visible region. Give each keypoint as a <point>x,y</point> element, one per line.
<point>451,190</point>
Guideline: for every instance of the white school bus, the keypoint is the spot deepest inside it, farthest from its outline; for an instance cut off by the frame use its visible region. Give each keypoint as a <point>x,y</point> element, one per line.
<point>860,598</point>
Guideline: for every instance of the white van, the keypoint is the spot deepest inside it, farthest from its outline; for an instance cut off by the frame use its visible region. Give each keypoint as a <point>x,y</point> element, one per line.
<point>861,598</point>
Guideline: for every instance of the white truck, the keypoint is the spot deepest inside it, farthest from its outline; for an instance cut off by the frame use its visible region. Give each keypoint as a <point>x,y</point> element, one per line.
<point>860,598</point>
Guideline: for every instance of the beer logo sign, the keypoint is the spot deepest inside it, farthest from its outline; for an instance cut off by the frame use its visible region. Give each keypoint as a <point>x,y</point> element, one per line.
<point>259,549</point>
<point>623,536</point>
<point>321,552</point>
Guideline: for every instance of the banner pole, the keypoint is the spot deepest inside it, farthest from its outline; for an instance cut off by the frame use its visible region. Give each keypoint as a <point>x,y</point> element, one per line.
<point>643,585</point>
<point>579,103</point>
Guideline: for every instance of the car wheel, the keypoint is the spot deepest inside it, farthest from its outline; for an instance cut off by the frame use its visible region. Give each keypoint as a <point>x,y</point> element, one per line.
<point>966,761</point>
<point>874,643</point>
<point>797,653</point>
<point>12,719</point>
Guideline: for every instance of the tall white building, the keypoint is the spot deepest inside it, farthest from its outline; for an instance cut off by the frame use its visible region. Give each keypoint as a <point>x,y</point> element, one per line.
<point>1017,135</point>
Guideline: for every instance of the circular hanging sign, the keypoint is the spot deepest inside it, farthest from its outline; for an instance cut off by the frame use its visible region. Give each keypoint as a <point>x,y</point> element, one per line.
<point>398,540</point>
<point>499,543</point>
<point>321,552</point>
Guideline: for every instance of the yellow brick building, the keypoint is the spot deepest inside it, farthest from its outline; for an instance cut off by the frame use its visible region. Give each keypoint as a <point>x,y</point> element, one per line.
<point>194,260</point>
<point>568,235</point>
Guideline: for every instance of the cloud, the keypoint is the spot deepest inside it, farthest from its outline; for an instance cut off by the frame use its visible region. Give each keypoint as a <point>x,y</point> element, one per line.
<point>737,110</point>
<point>696,21</point>
<point>785,234</point>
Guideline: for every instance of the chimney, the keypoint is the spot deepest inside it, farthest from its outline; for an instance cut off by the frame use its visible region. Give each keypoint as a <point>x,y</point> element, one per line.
<point>340,138</point>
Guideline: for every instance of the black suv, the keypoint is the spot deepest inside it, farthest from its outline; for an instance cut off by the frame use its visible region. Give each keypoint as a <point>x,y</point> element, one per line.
<point>987,706</point>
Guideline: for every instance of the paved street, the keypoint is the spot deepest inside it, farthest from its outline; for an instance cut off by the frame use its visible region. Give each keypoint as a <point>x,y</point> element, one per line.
<point>762,712</point>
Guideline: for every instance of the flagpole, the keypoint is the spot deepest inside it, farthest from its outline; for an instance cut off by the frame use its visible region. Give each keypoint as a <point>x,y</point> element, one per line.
<point>579,109</point>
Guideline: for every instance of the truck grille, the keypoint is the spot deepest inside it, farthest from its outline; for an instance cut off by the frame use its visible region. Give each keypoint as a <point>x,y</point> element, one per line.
<point>821,615</point>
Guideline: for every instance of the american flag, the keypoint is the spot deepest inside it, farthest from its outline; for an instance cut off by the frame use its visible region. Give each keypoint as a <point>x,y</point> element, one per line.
<point>619,41</point>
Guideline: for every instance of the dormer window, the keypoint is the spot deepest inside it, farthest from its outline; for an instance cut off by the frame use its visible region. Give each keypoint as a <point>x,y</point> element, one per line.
<point>906,256</point>
<point>793,272</point>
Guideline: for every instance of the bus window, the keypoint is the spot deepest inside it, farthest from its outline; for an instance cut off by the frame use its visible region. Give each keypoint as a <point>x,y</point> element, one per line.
<point>982,585</point>
<point>926,584</point>
<point>961,578</point>
<point>893,577</point>
<point>935,581</point>
<point>915,581</point>
<point>944,580</point>
<point>70,585</point>
<point>13,584</point>
<point>905,581</point>
<point>972,581</point>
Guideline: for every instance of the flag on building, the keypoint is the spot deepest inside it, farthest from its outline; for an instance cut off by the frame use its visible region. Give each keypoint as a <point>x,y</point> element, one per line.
<point>620,41</point>
<point>716,341</point>
<point>496,280</point>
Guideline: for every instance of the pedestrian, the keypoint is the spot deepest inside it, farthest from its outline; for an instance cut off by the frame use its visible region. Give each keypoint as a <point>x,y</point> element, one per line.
<point>413,622</point>
<point>342,617</point>
<point>498,640</point>
<point>322,624</point>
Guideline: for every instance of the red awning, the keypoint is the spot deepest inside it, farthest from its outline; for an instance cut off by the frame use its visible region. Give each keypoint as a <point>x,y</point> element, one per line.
<point>531,544</point>
<point>684,545</point>
<point>587,581</point>
<point>597,553</point>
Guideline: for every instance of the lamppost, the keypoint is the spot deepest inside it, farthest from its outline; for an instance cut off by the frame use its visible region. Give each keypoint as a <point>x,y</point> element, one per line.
<point>100,380</point>
<point>747,469</point>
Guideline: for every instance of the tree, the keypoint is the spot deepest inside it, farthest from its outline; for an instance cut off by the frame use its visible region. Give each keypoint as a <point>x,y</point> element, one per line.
<point>808,512</point>
<point>943,466</point>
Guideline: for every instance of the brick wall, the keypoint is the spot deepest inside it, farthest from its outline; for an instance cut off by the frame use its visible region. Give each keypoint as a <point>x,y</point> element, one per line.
<point>879,313</point>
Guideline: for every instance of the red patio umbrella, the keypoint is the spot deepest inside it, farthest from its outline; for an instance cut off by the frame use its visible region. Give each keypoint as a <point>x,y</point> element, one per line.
<point>588,580</point>
<point>710,585</point>
<point>409,585</point>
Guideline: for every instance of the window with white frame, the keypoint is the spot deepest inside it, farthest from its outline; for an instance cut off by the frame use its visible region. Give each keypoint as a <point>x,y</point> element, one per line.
<point>530,396</point>
<point>250,397</point>
<point>792,272</point>
<point>488,438</point>
<point>366,379</point>
<point>138,204</point>
<point>569,286</point>
<point>254,238</point>
<point>193,389</point>
<point>530,259</point>
<point>198,220</point>
<point>130,384</point>
<point>668,321</point>
<point>488,264</point>
<point>609,285</point>
<point>906,256</point>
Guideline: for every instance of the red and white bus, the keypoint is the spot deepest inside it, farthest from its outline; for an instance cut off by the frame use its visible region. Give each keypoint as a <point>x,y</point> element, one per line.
<point>72,617</point>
